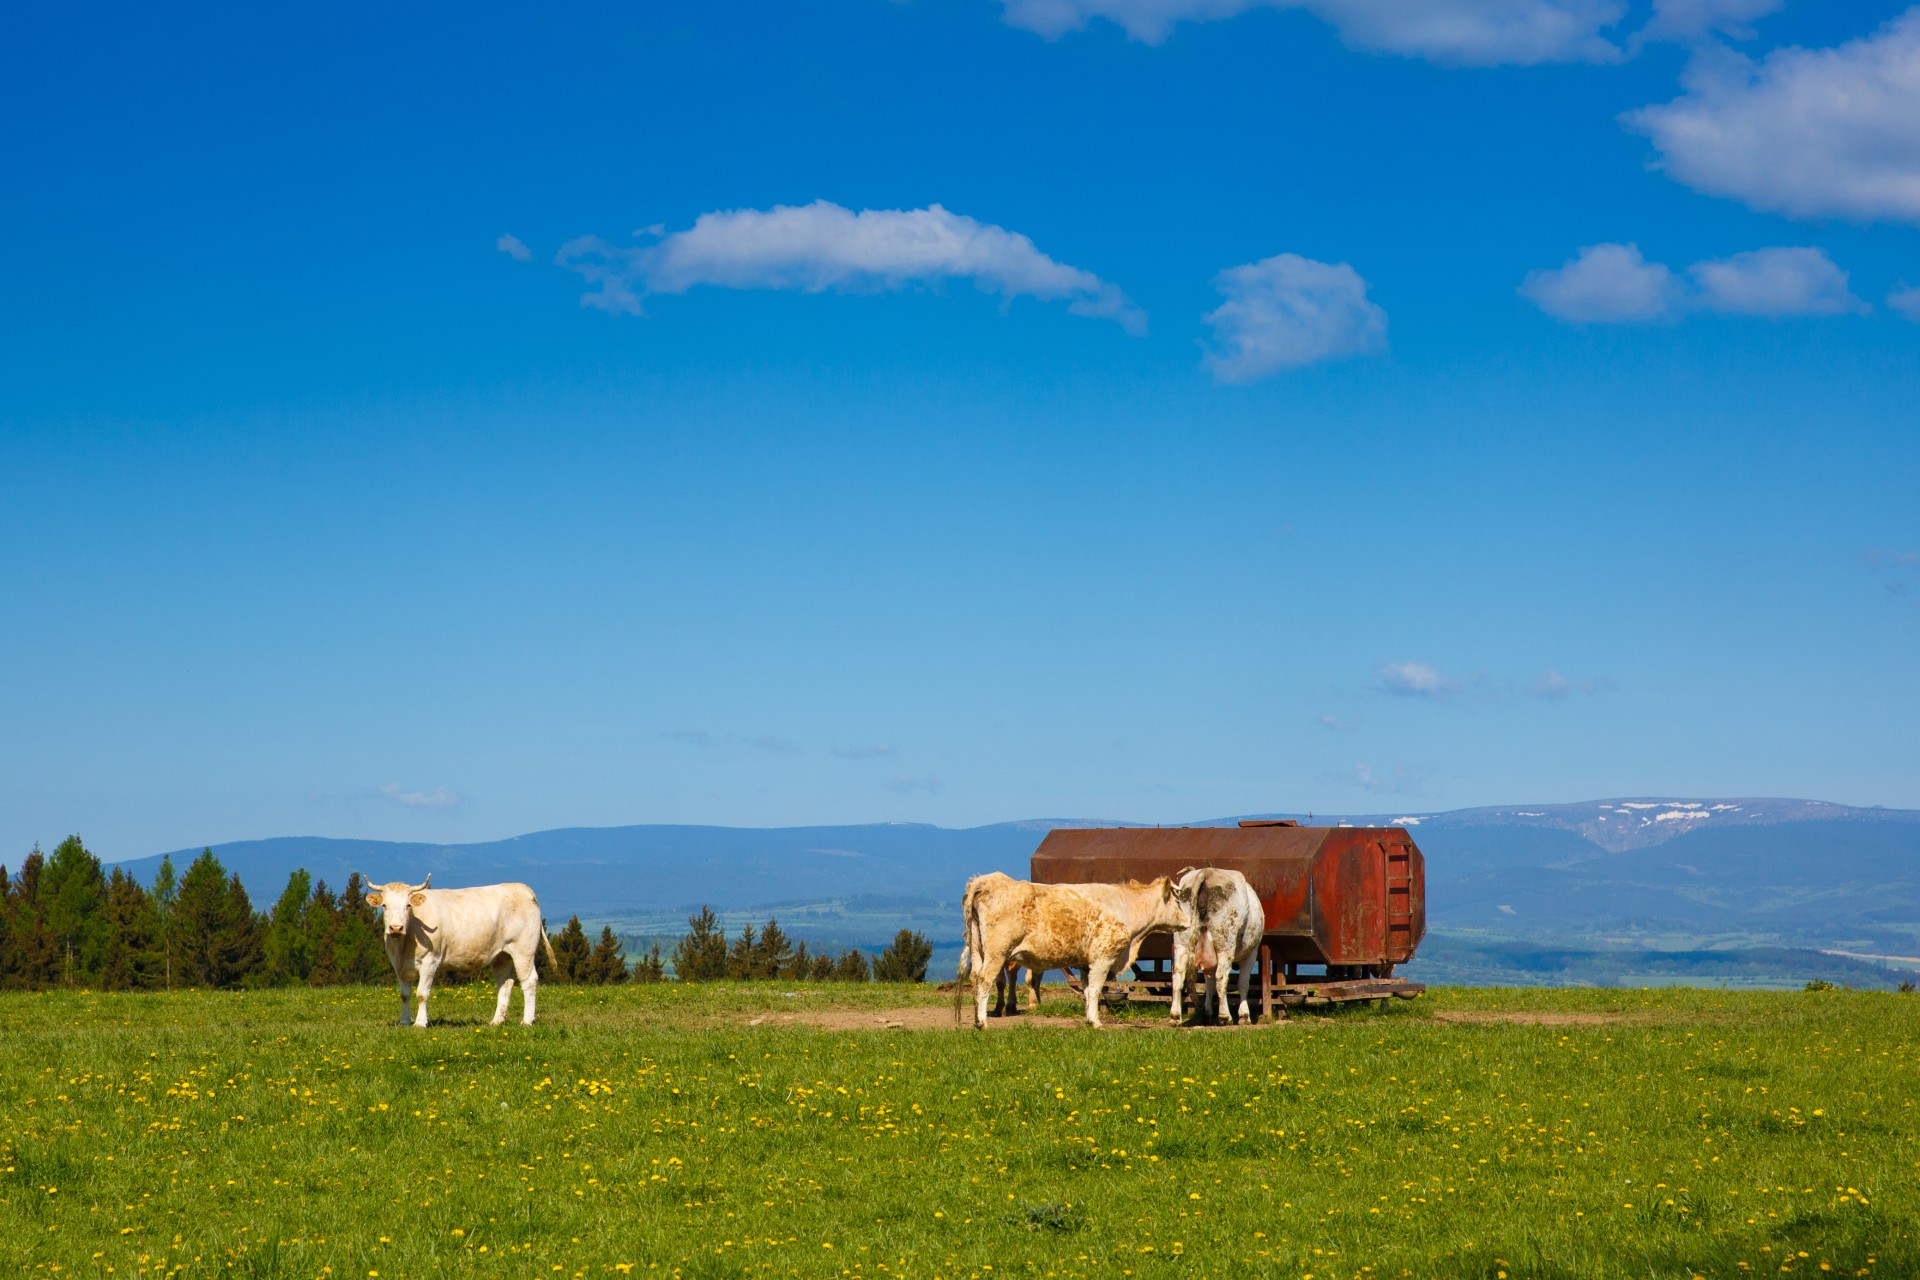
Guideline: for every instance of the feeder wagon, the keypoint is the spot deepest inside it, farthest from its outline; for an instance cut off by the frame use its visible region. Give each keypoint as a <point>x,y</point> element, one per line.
<point>1344,905</point>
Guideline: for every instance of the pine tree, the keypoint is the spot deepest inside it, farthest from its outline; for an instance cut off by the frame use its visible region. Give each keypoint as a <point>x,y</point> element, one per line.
<point>823,968</point>
<point>773,954</point>
<point>650,967</point>
<point>215,936</point>
<point>606,965</point>
<point>359,950</point>
<point>571,952</point>
<point>286,952</point>
<point>851,968</point>
<point>71,894</point>
<point>801,965</point>
<point>6,924</point>
<point>740,957</point>
<point>166,890</point>
<point>905,960</point>
<point>701,956</point>
<point>132,960</point>
<point>321,922</point>
<point>34,951</point>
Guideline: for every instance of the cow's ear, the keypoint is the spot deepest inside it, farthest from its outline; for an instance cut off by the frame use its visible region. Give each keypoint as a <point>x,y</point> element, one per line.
<point>417,898</point>
<point>376,899</point>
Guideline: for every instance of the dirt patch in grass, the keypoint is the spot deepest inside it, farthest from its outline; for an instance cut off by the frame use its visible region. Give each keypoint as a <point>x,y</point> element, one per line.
<point>1535,1019</point>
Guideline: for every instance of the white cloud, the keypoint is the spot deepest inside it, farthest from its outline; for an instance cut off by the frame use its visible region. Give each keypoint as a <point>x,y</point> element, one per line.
<point>1685,21</point>
<point>438,798</point>
<point>1453,32</point>
<point>1604,284</point>
<point>1613,284</point>
<point>1774,282</point>
<point>1551,686</point>
<point>1905,302</point>
<point>1807,132</point>
<point>1414,680</point>
<point>1287,311</point>
<point>514,247</point>
<point>1336,725</point>
<point>823,247</point>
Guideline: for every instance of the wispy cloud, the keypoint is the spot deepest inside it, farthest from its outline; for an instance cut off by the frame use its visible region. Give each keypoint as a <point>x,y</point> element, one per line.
<point>822,247</point>
<point>771,743</point>
<point>1551,686</point>
<point>1692,21</point>
<point>1404,780</point>
<point>1414,679</point>
<point>910,782</point>
<point>1614,284</point>
<point>438,798</point>
<point>1905,302</point>
<point>866,751</point>
<point>514,247</point>
<point>1335,724</point>
<point>1451,32</point>
<point>1287,311</point>
<point>1811,133</point>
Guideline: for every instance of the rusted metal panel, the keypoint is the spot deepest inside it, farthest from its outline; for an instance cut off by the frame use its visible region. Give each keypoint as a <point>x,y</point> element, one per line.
<point>1337,896</point>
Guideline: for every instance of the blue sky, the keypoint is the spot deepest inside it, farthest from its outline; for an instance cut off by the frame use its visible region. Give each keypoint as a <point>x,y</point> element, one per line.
<point>448,423</point>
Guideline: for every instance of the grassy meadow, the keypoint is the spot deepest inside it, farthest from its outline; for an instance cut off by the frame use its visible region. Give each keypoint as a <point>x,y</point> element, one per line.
<point>742,1131</point>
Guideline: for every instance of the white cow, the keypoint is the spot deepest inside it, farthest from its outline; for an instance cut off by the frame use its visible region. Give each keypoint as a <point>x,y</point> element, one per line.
<point>495,926</point>
<point>1059,926</point>
<point>1228,923</point>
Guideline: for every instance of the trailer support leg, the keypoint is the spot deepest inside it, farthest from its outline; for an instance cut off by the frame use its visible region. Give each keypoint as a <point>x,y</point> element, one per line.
<point>1266,983</point>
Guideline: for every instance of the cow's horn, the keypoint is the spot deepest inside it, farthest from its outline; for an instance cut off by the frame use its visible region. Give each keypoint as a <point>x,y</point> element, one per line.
<point>427,881</point>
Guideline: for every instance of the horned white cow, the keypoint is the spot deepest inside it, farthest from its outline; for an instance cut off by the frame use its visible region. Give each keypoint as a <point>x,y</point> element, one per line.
<point>495,926</point>
<point>1058,926</point>
<point>1228,923</point>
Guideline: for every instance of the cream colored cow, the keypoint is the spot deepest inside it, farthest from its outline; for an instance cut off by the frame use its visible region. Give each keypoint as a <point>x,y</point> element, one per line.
<point>1228,924</point>
<point>495,926</point>
<point>1098,927</point>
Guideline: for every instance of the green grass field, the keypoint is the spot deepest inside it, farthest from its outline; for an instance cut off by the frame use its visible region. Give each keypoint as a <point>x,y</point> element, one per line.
<point>653,1131</point>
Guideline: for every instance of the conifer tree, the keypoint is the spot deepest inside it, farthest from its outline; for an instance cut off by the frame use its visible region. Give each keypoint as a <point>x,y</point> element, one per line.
<point>773,953</point>
<point>132,960</point>
<point>71,893</point>
<point>801,965</point>
<point>701,955</point>
<point>33,946</point>
<point>215,935</point>
<point>359,950</point>
<point>823,968</point>
<point>166,889</point>
<point>851,968</point>
<point>905,960</point>
<point>571,952</point>
<point>286,953</point>
<point>741,957</point>
<point>320,920</point>
<point>650,967</point>
<point>605,965</point>
<point>6,924</point>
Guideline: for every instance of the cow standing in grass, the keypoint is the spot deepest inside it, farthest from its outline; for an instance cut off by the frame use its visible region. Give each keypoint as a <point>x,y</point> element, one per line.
<point>1228,924</point>
<point>1060,926</point>
<point>496,926</point>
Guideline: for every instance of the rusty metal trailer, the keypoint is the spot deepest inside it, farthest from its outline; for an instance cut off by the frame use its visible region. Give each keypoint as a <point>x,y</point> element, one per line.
<point>1349,902</point>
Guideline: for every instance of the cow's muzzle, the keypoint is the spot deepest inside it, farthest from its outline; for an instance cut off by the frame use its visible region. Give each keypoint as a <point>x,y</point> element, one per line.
<point>393,932</point>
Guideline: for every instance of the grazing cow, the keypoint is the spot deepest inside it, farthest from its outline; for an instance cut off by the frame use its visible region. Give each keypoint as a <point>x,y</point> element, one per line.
<point>1228,923</point>
<point>1060,926</point>
<point>496,927</point>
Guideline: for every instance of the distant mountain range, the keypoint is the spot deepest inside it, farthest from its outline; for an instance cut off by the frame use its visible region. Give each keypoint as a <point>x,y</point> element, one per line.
<point>1646,874</point>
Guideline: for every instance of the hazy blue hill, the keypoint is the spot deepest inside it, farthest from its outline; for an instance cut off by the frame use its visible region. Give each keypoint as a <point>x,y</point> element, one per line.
<point>1512,893</point>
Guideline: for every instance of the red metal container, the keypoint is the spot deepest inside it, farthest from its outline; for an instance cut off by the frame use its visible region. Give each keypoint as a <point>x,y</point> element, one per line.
<point>1350,898</point>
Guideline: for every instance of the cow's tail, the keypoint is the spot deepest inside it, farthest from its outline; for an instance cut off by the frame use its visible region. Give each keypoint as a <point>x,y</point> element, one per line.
<point>553,961</point>
<point>970,931</point>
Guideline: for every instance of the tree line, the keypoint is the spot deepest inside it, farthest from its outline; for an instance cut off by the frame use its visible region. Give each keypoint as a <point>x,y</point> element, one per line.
<point>66,921</point>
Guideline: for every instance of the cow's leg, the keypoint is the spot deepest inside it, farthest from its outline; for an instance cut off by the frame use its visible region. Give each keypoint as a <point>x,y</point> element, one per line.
<point>1246,981</point>
<point>1181,959</point>
<point>425,989</point>
<point>990,969</point>
<point>503,977</point>
<point>406,999</point>
<point>529,971</point>
<point>1034,978</point>
<point>1096,983</point>
<point>1210,999</point>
